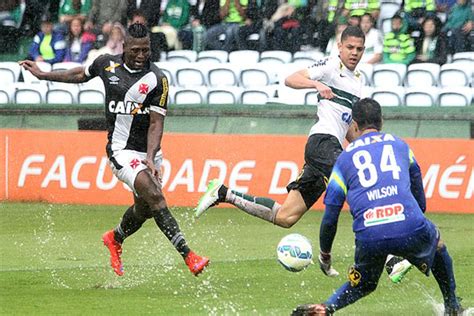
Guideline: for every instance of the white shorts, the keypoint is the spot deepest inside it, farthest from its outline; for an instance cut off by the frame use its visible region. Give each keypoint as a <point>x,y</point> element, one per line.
<point>126,164</point>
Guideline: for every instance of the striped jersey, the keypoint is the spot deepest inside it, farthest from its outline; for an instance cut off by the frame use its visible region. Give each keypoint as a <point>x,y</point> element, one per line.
<point>335,115</point>
<point>374,174</point>
<point>130,95</point>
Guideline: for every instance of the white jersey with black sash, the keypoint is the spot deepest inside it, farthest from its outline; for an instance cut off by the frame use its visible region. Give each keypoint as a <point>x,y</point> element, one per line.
<point>130,95</point>
<point>335,115</point>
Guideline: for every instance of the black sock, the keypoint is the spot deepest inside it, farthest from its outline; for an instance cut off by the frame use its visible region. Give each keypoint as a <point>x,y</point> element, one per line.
<point>222,193</point>
<point>130,224</point>
<point>168,225</point>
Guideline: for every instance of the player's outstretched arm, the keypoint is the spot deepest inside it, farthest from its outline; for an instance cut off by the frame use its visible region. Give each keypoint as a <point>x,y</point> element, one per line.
<point>301,80</point>
<point>74,75</point>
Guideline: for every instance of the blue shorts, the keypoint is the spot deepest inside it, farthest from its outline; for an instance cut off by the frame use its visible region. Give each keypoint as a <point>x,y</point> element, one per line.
<point>419,248</point>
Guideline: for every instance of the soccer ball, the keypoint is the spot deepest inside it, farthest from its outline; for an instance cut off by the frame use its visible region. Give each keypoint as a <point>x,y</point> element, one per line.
<point>294,252</point>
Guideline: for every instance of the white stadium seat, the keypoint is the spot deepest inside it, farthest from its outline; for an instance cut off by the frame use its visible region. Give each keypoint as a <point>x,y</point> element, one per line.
<point>225,95</point>
<point>422,75</point>
<point>169,69</point>
<point>421,97</point>
<point>455,74</point>
<point>183,55</point>
<point>191,75</point>
<point>65,66</point>
<point>219,56</point>
<point>456,96</point>
<point>256,76</point>
<point>287,95</point>
<point>260,95</point>
<point>9,72</point>
<point>389,96</point>
<point>388,75</point>
<point>223,75</point>
<point>191,95</point>
<point>89,96</point>
<point>463,57</point>
<point>30,93</point>
<point>7,93</point>
<point>62,93</point>
<point>366,70</point>
<point>244,57</point>
<point>275,57</point>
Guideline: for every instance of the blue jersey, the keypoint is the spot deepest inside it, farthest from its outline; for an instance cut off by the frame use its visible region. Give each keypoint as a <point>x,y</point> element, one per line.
<point>374,175</point>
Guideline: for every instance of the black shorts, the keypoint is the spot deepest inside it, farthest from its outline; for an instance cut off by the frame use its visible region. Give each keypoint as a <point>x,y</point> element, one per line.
<point>320,155</point>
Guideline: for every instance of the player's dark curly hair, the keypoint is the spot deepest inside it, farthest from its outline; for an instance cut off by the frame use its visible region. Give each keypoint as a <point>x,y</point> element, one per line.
<point>137,30</point>
<point>354,31</point>
<point>367,113</point>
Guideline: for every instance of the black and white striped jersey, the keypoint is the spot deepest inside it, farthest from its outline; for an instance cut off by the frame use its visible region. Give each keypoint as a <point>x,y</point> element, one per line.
<point>130,95</point>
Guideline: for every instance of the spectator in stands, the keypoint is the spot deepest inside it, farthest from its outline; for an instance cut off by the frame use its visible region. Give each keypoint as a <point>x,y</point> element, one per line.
<point>398,46</point>
<point>70,9</point>
<point>175,17</point>
<point>203,15</point>
<point>355,9</point>
<point>431,46</point>
<point>373,40</point>
<point>285,30</point>
<point>416,11</point>
<point>103,15</point>
<point>444,5</point>
<point>79,42</point>
<point>114,45</point>
<point>10,19</point>
<point>326,15</point>
<point>149,8</point>
<point>249,33</point>
<point>48,45</point>
<point>332,48</point>
<point>459,26</point>
<point>224,36</point>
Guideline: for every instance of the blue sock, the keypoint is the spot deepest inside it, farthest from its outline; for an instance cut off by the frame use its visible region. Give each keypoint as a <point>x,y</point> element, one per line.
<point>443,272</point>
<point>347,294</point>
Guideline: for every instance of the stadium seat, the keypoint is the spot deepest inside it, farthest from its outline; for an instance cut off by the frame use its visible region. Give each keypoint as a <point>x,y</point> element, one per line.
<point>65,66</point>
<point>257,75</point>
<point>287,95</point>
<point>422,75</point>
<point>388,75</point>
<point>223,75</point>
<point>219,56</point>
<point>169,69</point>
<point>9,72</point>
<point>192,75</point>
<point>366,71</point>
<point>389,96</point>
<point>456,96</point>
<point>311,97</point>
<point>62,93</point>
<point>387,11</point>
<point>28,76</point>
<point>30,93</point>
<point>275,56</point>
<point>183,55</point>
<point>87,96</point>
<point>7,92</point>
<point>226,95</point>
<point>455,75</point>
<point>260,95</point>
<point>312,54</point>
<point>244,57</point>
<point>194,95</point>
<point>463,57</point>
<point>366,92</point>
<point>421,97</point>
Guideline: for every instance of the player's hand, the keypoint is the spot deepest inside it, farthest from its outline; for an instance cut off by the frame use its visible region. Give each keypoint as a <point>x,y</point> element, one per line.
<point>325,265</point>
<point>32,67</point>
<point>324,91</point>
<point>150,165</point>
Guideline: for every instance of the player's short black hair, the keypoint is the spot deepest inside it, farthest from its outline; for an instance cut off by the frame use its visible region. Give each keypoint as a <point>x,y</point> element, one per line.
<point>352,31</point>
<point>368,114</point>
<point>137,30</point>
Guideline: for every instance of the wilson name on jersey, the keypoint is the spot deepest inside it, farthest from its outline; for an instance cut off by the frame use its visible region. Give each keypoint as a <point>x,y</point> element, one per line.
<point>130,95</point>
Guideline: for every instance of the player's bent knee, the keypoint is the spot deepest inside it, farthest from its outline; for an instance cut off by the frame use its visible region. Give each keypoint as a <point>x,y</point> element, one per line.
<point>440,245</point>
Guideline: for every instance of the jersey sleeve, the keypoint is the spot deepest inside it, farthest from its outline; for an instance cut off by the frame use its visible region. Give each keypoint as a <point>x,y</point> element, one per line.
<point>94,69</point>
<point>337,188</point>
<point>416,182</point>
<point>320,69</point>
<point>159,101</point>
